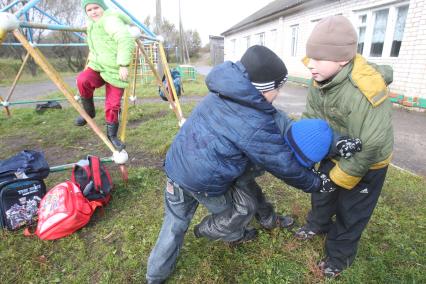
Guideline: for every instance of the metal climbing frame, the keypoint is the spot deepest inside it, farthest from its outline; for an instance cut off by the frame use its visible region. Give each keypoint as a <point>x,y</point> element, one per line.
<point>41,60</point>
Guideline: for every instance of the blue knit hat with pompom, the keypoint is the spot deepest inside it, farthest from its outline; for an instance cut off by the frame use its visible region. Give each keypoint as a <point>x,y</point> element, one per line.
<point>310,140</point>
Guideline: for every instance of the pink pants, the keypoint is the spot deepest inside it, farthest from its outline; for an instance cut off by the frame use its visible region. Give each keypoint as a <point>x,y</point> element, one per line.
<point>89,80</point>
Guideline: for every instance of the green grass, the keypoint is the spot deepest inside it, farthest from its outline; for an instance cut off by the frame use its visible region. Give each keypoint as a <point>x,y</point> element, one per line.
<point>115,245</point>
<point>10,67</point>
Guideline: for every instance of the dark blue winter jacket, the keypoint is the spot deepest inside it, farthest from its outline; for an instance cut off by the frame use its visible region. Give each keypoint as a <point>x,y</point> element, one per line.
<point>230,127</point>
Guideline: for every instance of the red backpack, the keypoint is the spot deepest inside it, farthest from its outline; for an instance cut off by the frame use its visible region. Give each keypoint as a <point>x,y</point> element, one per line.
<point>69,206</point>
<point>63,210</point>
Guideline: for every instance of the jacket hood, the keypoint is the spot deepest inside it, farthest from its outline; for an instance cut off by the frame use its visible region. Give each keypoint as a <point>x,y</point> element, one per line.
<point>230,80</point>
<point>112,12</point>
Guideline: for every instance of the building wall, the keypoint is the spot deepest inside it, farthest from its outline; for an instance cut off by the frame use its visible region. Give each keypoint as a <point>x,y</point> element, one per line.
<point>409,67</point>
<point>236,44</point>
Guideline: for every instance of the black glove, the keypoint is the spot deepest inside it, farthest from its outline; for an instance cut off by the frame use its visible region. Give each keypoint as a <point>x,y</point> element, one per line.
<point>347,147</point>
<point>326,184</point>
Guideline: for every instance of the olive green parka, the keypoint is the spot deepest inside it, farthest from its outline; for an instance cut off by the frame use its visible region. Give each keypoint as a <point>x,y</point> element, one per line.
<point>355,103</point>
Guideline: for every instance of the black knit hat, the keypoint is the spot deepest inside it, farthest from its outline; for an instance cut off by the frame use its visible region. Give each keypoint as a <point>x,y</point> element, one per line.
<point>265,69</point>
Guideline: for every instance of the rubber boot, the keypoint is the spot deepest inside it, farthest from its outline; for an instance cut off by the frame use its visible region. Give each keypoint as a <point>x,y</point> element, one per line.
<point>89,107</point>
<point>112,129</point>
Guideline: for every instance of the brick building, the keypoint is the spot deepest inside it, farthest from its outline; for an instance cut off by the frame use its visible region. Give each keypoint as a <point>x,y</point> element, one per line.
<point>390,32</point>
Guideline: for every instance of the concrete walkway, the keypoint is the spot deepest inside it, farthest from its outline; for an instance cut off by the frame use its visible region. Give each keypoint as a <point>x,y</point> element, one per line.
<point>34,90</point>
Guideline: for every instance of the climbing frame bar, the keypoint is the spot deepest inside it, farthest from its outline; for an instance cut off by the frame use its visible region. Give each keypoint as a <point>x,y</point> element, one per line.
<point>176,110</point>
<point>59,82</point>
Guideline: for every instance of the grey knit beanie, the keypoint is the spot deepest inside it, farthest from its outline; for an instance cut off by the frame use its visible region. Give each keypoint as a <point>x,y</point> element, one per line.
<point>333,39</point>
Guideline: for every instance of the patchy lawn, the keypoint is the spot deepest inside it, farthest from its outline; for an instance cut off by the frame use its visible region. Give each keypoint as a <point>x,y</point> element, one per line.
<point>114,247</point>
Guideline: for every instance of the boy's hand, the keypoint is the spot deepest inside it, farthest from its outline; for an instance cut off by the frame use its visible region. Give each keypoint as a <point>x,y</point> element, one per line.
<point>347,147</point>
<point>123,73</point>
<point>326,184</point>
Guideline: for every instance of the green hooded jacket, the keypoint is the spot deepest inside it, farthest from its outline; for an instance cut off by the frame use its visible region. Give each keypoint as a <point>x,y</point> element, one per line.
<point>355,103</point>
<point>111,45</point>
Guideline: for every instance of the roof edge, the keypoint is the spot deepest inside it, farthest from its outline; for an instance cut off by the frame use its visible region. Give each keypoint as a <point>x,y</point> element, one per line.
<point>277,14</point>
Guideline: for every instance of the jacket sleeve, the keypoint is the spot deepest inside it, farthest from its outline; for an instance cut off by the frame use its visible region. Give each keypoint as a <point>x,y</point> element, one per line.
<point>283,121</point>
<point>118,30</point>
<point>311,110</point>
<point>266,148</point>
<point>333,149</point>
<point>370,125</point>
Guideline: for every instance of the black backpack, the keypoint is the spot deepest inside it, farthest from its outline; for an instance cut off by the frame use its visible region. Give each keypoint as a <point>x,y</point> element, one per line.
<point>21,188</point>
<point>19,202</point>
<point>26,164</point>
<point>93,179</point>
<point>177,81</point>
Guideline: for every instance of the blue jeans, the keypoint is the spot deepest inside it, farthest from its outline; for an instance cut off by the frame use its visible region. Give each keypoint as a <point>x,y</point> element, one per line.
<point>180,206</point>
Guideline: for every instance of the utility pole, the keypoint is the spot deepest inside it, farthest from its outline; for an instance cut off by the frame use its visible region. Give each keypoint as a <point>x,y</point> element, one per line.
<point>158,17</point>
<point>158,24</point>
<point>183,45</point>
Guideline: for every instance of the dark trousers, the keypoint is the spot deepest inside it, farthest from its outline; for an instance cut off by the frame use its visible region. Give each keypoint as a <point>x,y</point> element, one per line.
<point>352,208</point>
<point>248,201</point>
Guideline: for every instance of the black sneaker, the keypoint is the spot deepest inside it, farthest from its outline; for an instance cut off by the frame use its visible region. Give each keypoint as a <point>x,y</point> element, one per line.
<point>249,235</point>
<point>306,232</point>
<point>284,221</point>
<point>328,269</point>
<point>197,233</point>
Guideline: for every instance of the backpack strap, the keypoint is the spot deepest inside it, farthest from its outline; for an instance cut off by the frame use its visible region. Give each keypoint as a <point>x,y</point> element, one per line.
<point>95,204</point>
<point>28,233</point>
<point>95,168</point>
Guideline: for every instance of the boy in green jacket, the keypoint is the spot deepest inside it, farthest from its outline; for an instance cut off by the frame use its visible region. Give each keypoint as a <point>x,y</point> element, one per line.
<point>351,95</point>
<point>111,46</point>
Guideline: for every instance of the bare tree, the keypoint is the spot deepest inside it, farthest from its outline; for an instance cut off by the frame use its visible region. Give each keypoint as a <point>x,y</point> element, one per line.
<point>66,13</point>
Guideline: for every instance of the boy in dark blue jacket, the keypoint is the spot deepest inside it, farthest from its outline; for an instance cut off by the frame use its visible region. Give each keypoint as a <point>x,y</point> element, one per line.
<point>311,140</point>
<point>231,128</point>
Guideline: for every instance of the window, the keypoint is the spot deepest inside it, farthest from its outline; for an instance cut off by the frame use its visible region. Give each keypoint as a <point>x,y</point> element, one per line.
<point>362,25</point>
<point>399,30</point>
<point>379,32</point>
<point>272,41</point>
<point>313,24</point>
<point>294,35</point>
<point>260,39</point>
<point>247,41</point>
<point>234,46</point>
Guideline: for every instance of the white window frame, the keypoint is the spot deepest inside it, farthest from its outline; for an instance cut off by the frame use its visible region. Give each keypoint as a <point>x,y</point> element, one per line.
<point>272,39</point>
<point>313,23</point>
<point>359,25</point>
<point>247,40</point>
<point>234,47</point>
<point>390,28</point>
<point>262,38</point>
<point>259,39</point>
<point>294,39</point>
